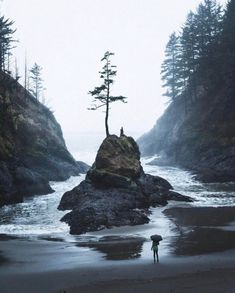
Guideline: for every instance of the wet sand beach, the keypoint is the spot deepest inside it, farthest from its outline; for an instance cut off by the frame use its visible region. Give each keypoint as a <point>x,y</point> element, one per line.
<point>213,280</point>
<point>200,258</point>
<point>202,230</point>
<point>213,273</point>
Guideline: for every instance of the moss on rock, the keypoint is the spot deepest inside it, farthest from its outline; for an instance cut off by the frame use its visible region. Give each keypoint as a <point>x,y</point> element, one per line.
<point>117,157</point>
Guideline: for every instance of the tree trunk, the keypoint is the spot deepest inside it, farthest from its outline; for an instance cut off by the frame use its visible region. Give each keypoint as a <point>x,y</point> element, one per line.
<point>107,104</point>
<point>106,118</point>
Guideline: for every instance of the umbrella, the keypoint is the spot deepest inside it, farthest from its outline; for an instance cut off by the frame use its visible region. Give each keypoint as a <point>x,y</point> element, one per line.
<point>156,237</point>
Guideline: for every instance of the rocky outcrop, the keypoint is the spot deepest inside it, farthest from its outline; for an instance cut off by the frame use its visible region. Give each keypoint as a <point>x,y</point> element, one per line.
<point>201,139</point>
<point>82,167</point>
<point>32,148</point>
<point>117,163</point>
<point>197,130</point>
<point>116,191</point>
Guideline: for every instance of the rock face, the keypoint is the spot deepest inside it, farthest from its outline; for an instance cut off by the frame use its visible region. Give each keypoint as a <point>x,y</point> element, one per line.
<point>117,163</point>
<point>116,191</point>
<point>32,148</point>
<point>201,139</point>
<point>197,131</point>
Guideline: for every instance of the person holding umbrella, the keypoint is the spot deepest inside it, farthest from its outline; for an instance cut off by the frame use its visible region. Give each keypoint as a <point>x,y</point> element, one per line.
<point>155,238</point>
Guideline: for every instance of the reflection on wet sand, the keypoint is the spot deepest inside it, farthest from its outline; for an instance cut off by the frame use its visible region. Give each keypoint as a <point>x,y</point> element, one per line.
<point>3,259</point>
<point>117,247</point>
<point>201,216</point>
<point>202,230</point>
<point>51,238</point>
<point>202,241</point>
<point>5,237</point>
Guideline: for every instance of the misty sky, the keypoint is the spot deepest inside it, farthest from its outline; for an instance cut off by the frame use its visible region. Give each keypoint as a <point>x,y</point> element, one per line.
<point>69,37</point>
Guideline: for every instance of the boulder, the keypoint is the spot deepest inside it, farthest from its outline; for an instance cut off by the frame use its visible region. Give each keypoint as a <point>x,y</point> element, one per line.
<point>116,191</point>
<point>118,156</point>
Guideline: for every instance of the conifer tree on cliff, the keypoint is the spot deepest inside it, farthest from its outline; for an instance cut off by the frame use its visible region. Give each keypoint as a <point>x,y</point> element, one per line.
<point>189,53</point>
<point>170,68</point>
<point>227,48</point>
<point>36,86</point>
<point>6,40</point>
<point>208,26</point>
<point>102,94</point>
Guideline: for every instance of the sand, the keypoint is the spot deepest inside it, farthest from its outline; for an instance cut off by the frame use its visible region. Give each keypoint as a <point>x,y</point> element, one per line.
<point>209,281</point>
<point>210,273</point>
<point>201,259</point>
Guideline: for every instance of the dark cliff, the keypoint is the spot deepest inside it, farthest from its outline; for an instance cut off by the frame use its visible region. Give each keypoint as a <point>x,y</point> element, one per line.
<point>32,148</point>
<point>202,139</point>
<point>197,131</point>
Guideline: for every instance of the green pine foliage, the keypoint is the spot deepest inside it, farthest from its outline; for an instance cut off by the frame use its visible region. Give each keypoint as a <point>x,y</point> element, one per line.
<point>170,68</point>
<point>6,41</point>
<point>102,94</point>
<point>227,47</point>
<point>36,86</point>
<point>204,43</point>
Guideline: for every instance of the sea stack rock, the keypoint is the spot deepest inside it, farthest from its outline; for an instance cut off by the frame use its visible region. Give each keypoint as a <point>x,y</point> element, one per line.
<point>116,191</point>
<point>117,163</point>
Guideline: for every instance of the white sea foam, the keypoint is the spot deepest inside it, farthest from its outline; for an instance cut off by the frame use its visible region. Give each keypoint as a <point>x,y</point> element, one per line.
<point>39,215</point>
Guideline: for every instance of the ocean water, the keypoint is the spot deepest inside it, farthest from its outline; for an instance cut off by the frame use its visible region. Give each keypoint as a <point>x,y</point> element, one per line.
<point>38,218</point>
<point>39,215</point>
<point>204,194</point>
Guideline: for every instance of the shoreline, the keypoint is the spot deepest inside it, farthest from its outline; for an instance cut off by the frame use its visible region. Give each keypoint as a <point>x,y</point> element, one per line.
<point>47,264</point>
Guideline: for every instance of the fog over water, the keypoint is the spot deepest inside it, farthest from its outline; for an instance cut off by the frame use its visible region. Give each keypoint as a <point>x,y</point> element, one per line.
<point>68,38</point>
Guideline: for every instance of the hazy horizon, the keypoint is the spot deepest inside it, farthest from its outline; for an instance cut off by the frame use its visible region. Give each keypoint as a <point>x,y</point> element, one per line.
<point>68,39</point>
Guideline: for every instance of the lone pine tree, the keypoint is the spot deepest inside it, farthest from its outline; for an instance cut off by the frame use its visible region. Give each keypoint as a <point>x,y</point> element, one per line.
<point>102,94</point>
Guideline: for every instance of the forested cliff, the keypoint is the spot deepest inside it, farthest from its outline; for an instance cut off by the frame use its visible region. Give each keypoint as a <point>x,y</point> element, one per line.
<point>32,148</point>
<point>197,130</point>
